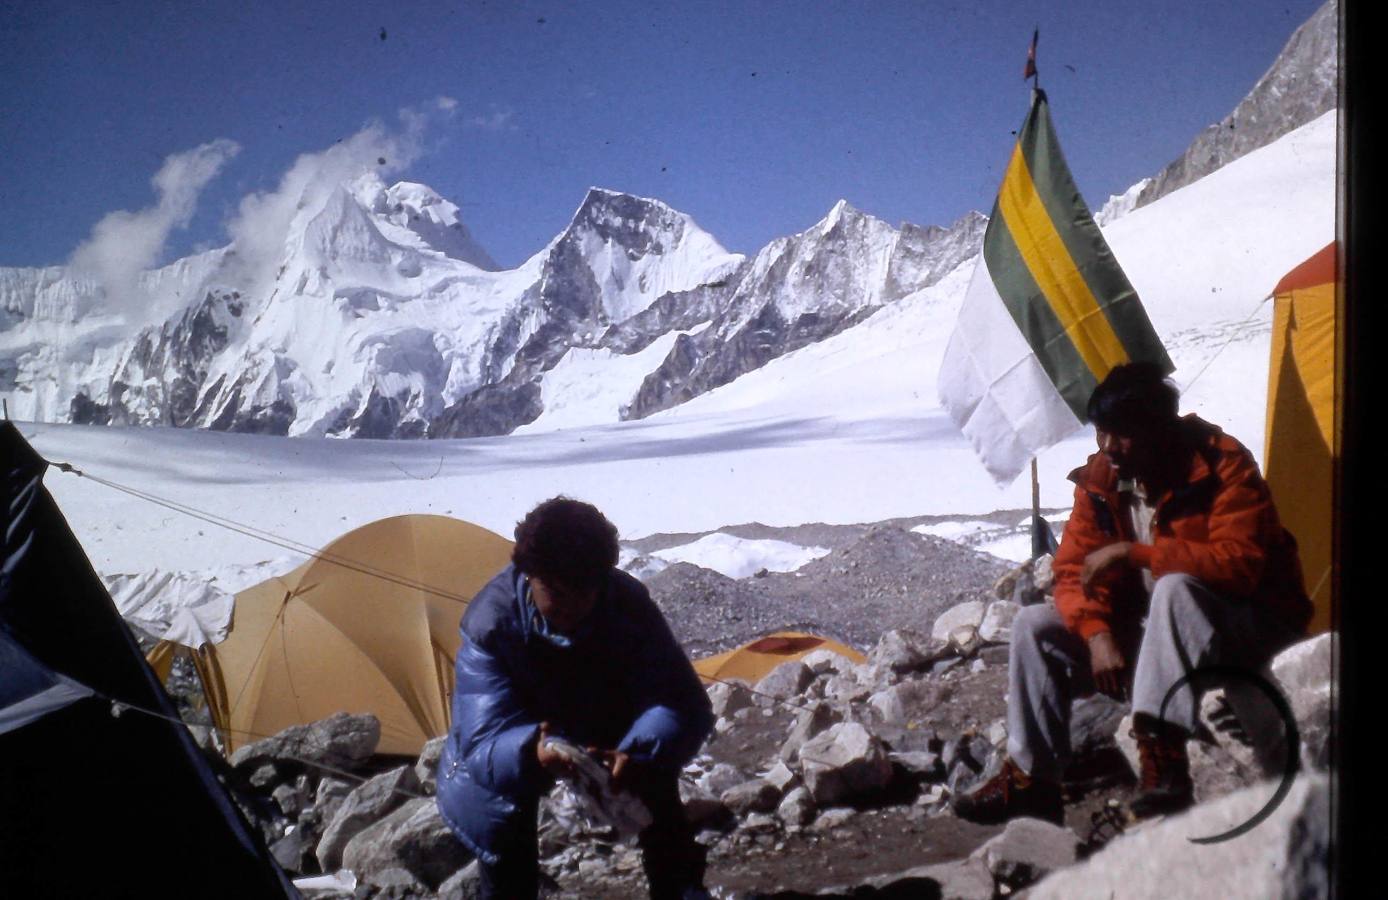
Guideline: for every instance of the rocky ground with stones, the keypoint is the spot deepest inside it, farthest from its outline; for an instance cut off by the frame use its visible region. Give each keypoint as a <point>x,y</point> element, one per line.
<point>829,778</point>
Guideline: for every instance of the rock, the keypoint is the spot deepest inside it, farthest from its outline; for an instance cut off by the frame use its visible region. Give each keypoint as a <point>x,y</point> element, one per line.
<point>371,801</point>
<point>752,796</point>
<point>797,807</point>
<point>292,850</point>
<point>702,809</point>
<point>1305,674</point>
<point>426,769</point>
<point>996,627</point>
<point>464,884</point>
<point>822,662</point>
<point>781,777</point>
<point>329,796</point>
<point>997,734</point>
<point>1094,723</point>
<point>719,779</point>
<point>968,761</point>
<point>834,818</point>
<point>413,838</point>
<point>978,665</point>
<point>728,697</point>
<point>1286,855</point>
<point>945,665</point>
<point>889,705</point>
<point>1027,850</point>
<point>849,686</point>
<point>996,655</point>
<point>903,650</point>
<point>760,823</point>
<point>811,721</point>
<point>968,613</point>
<point>921,764</point>
<point>966,879</point>
<point>787,680</point>
<point>342,741</point>
<point>964,641</point>
<point>264,775</point>
<point>845,762</point>
<point>290,798</point>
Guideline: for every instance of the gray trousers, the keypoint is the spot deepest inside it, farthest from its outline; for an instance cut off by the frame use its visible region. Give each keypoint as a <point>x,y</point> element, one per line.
<point>1188,626</point>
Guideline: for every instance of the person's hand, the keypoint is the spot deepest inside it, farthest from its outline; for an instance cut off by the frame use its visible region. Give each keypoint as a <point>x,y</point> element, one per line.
<point>1103,559</point>
<point>1108,665</point>
<point>551,760</point>
<point>621,765</point>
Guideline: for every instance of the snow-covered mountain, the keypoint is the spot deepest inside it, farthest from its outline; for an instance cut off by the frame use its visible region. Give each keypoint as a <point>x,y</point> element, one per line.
<point>1301,85</point>
<point>384,318</point>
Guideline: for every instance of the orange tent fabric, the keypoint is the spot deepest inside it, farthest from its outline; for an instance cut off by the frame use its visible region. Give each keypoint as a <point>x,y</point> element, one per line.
<point>752,661</point>
<point>1302,447</point>
<point>368,625</point>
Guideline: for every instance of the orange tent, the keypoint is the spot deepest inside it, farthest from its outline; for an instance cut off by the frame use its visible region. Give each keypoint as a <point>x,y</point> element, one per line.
<point>1305,384</point>
<point>370,624</point>
<point>753,660</point>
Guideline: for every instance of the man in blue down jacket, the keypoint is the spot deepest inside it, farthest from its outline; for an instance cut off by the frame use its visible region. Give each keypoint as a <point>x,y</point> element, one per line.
<point>563,643</point>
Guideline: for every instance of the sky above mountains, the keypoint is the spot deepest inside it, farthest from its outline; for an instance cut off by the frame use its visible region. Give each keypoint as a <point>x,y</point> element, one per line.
<point>150,129</point>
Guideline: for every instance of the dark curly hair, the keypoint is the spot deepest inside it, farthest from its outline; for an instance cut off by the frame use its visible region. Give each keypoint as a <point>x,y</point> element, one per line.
<point>566,542</point>
<point>1134,398</point>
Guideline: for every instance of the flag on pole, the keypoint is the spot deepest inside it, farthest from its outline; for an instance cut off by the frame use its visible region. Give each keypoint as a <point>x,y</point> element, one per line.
<point>1030,70</point>
<point>1047,314</point>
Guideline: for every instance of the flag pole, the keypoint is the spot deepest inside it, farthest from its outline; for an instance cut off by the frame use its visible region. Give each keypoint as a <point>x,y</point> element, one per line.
<point>1035,504</point>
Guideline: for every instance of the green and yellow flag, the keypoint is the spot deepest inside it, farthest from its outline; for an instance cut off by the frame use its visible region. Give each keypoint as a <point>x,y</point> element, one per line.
<point>1048,312</point>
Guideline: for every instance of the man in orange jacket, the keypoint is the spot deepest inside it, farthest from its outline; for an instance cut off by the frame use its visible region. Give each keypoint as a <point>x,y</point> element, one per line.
<point>1172,522</point>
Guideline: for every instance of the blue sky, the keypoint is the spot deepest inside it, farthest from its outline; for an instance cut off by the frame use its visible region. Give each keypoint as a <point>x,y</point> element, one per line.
<point>753,117</point>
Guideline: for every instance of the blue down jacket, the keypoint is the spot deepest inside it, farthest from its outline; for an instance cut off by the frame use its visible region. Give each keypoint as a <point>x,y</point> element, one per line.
<point>619,681</point>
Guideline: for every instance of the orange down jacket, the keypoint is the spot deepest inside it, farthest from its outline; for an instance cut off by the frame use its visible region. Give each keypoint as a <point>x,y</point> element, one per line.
<point>1219,526</point>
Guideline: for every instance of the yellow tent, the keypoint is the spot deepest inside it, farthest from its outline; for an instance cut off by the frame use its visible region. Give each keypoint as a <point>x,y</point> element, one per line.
<point>1305,383</point>
<point>368,625</point>
<point>752,661</point>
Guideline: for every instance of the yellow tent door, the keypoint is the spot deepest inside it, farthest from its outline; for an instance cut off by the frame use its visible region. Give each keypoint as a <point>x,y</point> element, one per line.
<point>1305,382</point>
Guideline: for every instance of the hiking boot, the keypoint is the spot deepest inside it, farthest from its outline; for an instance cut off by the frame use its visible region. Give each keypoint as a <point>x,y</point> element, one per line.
<point>1165,786</point>
<point>1010,794</point>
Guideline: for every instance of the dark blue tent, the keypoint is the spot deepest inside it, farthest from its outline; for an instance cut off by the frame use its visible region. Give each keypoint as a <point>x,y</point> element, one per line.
<point>94,804</point>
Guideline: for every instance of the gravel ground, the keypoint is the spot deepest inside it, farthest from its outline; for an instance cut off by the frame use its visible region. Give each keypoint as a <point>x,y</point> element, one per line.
<point>877,577</point>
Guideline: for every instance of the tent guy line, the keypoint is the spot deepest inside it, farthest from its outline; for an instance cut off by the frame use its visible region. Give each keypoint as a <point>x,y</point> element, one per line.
<point>261,535</point>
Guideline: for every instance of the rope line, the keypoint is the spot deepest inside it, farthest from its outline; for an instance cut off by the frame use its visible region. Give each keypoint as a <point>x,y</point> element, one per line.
<point>266,536</point>
<point>1222,347</point>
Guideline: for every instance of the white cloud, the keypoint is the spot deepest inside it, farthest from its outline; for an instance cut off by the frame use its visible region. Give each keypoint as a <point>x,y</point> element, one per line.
<point>125,243</point>
<point>262,221</point>
<point>497,120</point>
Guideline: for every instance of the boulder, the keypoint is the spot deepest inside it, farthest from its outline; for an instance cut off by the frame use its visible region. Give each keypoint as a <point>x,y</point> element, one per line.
<point>427,767</point>
<point>1286,855</point>
<point>996,627</point>
<point>811,721</point>
<point>787,680</point>
<point>1305,674</point>
<point>366,804</point>
<point>904,650</point>
<point>889,705</point>
<point>720,778</point>
<point>751,796</point>
<point>413,839</point>
<point>1094,723</point>
<point>329,796</point>
<point>822,662</point>
<point>920,764</point>
<point>844,763</point>
<point>291,798</point>
<point>1027,850</point>
<point>464,884</point>
<point>702,809</point>
<point>969,613</point>
<point>797,807</point>
<point>781,776</point>
<point>292,851</point>
<point>342,741</point>
<point>727,697</point>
